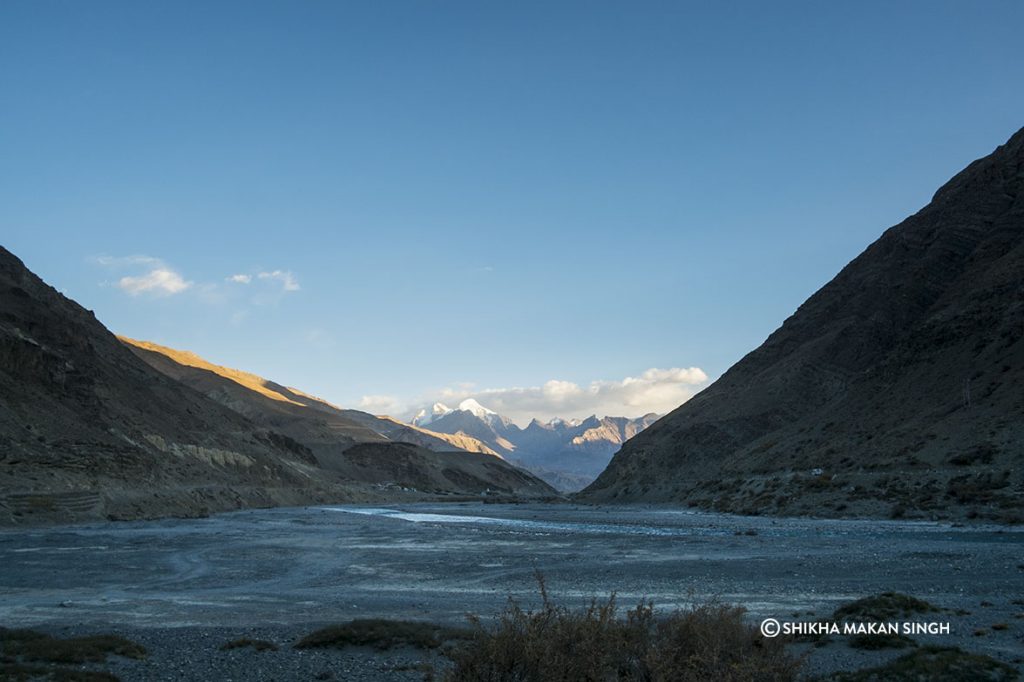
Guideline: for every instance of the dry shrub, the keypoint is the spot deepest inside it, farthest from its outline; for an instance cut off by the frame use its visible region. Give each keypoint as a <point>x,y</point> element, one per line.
<point>712,641</point>
<point>936,664</point>
<point>255,644</point>
<point>382,634</point>
<point>36,646</point>
<point>16,672</point>
<point>704,642</point>
<point>883,607</point>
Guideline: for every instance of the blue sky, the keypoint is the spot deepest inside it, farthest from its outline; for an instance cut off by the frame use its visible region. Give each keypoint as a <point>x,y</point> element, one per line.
<point>446,198</point>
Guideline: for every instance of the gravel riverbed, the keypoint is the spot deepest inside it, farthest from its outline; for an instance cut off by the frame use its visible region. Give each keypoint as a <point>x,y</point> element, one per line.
<point>184,587</point>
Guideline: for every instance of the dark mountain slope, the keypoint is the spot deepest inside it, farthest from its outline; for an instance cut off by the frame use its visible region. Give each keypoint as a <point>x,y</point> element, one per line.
<point>89,430</point>
<point>403,464</point>
<point>895,389</point>
<point>349,443</point>
<point>264,402</point>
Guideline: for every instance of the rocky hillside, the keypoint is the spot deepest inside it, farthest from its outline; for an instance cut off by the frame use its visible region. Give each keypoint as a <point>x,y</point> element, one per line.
<point>351,444</point>
<point>311,420</point>
<point>895,390</point>
<point>88,430</point>
<point>409,467</point>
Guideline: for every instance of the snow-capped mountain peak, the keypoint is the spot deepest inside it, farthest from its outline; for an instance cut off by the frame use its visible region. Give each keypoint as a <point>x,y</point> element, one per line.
<point>569,452</point>
<point>472,406</point>
<point>564,423</point>
<point>437,410</point>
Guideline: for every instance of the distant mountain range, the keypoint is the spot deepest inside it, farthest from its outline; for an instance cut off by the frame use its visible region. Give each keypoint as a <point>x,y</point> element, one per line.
<point>895,390</point>
<point>93,428</point>
<point>567,453</point>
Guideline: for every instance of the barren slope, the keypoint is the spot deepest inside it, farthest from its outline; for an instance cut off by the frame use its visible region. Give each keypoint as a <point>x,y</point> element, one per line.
<point>346,427</point>
<point>340,439</point>
<point>895,389</point>
<point>88,430</point>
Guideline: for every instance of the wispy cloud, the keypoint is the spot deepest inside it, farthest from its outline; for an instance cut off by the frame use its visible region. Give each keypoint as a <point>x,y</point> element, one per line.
<point>285,277</point>
<point>380,404</point>
<point>121,261</point>
<point>319,338</point>
<point>240,279</point>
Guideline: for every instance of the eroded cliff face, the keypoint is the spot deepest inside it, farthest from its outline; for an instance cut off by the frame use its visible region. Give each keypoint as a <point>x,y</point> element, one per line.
<point>893,390</point>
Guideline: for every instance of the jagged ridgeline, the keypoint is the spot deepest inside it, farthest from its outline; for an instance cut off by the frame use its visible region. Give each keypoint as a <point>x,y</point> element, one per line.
<point>895,390</point>
<point>88,430</point>
<point>566,453</point>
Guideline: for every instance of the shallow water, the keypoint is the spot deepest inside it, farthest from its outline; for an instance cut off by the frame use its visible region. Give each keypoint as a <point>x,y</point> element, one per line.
<point>439,561</point>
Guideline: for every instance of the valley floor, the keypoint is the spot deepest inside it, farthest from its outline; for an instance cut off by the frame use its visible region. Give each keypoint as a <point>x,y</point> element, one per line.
<point>183,587</point>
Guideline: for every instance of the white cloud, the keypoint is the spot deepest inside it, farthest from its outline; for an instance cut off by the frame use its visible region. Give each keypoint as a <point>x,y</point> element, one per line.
<point>655,390</point>
<point>285,277</point>
<point>379,404</point>
<point>161,281</point>
<point>152,276</point>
